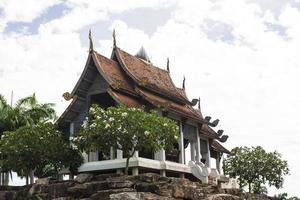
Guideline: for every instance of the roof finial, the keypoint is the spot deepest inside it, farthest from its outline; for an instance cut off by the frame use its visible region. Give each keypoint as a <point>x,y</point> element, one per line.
<point>168,62</point>
<point>91,41</point>
<point>183,83</point>
<point>142,54</point>
<point>114,39</point>
<point>199,106</point>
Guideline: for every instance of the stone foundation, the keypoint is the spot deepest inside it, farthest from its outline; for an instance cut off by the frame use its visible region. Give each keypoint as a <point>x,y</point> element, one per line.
<point>115,187</point>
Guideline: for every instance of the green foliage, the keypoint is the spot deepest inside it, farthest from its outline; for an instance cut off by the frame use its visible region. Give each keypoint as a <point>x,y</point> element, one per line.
<point>27,111</point>
<point>255,167</point>
<point>127,129</point>
<point>40,148</point>
<point>284,196</point>
<point>259,189</point>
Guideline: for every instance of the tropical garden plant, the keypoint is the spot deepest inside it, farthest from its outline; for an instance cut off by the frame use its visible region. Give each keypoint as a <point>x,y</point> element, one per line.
<point>27,111</point>
<point>127,129</point>
<point>255,167</point>
<point>28,115</point>
<point>284,196</point>
<point>39,149</point>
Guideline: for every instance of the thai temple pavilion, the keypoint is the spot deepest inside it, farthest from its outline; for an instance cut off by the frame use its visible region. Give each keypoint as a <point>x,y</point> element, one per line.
<point>134,81</point>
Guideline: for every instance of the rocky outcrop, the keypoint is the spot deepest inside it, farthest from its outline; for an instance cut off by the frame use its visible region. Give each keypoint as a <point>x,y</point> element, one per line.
<point>114,187</point>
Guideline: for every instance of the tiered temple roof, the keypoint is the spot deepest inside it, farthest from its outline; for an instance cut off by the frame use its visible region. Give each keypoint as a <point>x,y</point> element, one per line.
<point>135,82</point>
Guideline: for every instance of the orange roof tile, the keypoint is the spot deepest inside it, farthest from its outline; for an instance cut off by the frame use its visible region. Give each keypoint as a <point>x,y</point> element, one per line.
<point>182,92</point>
<point>160,102</point>
<point>218,147</point>
<point>209,132</point>
<point>147,75</point>
<point>112,71</point>
<point>124,99</point>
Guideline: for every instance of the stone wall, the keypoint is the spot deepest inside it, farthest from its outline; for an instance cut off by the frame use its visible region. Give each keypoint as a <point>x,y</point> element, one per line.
<point>113,187</point>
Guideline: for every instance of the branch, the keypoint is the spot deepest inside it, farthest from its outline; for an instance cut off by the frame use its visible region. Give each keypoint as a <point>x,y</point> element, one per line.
<point>132,153</point>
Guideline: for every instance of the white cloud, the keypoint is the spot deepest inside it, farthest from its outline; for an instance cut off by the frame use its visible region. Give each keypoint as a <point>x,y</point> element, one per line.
<point>15,10</point>
<point>41,64</point>
<point>73,20</point>
<point>290,17</point>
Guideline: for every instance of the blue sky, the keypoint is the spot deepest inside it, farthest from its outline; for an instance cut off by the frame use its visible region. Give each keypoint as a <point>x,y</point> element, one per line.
<point>241,59</point>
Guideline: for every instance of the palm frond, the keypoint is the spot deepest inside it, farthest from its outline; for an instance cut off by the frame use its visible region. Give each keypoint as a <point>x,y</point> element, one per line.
<point>3,102</point>
<point>27,101</point>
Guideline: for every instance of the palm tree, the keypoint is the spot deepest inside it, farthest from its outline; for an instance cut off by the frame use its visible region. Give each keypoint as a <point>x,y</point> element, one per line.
<point>32,112</point>
<point>7,116</point>
<point>26,112</point>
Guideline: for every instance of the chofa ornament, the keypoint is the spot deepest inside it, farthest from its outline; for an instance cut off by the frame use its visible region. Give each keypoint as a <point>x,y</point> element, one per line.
<point>67,96</point>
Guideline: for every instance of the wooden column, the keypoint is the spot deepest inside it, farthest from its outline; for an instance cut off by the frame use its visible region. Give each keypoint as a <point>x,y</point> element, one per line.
<point>31,176</point>
<point>160,155</point>
<point>181,144</point>
<point>193,156</point>
<point>208,155</point>
<point>136,154</point>
<point>218,160</point>
<point>93,156</point>
<point>119,154</point>
<point>85,157</point>
<point>135,170</point>
<point>71,129</point>
<point>111,153</point>
<point>198,148</point>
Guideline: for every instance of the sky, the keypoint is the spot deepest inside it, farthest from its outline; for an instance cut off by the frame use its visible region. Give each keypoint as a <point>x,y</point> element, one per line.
<point>240,57</point>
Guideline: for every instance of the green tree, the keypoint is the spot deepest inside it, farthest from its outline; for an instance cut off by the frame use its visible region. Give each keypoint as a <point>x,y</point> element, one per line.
<point>39,148</point>
<point>127,129</point>
<point>8,116</point>
<point>255,167</point>
<point>259,189</point>
<point>284,196</point>
<point>294,198</point>
<point>27,111</point>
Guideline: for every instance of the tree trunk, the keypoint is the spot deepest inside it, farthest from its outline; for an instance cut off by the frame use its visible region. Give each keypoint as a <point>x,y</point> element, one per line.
<point>31,174</point>
<point>27,179</point>
<point>127,161</point>
<point>249,186</point>
<point>127,165</point>
<point>6,178</point>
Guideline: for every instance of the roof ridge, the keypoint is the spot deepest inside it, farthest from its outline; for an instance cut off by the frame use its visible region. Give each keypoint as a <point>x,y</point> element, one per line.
<point>148,63</point>
<point>117,79</point>
<point>105,56</point>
